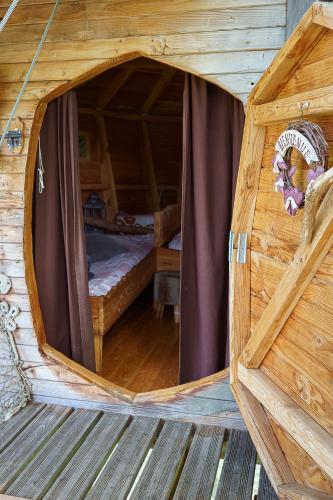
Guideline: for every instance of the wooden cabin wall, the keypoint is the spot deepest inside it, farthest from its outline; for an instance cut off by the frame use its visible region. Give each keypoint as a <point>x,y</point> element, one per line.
<point>300,361</point>
<point>227,42</point>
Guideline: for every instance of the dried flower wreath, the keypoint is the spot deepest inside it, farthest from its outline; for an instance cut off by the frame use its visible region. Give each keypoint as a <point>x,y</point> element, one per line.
<point>308,139</point>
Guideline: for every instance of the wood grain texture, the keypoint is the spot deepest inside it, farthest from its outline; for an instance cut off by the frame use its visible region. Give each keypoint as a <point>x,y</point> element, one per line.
<point>310,436</point>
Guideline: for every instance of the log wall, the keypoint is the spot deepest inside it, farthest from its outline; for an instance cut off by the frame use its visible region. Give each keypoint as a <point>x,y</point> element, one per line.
<point>229,43</point>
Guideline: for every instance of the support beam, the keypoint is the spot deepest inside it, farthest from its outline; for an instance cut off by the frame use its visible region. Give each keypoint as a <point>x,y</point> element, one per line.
<point>107,178</point>
<point>113,87</point>
<point>307,433</point>
<point>149,165</point>
<point>295,10</point>
<point>158,89</point>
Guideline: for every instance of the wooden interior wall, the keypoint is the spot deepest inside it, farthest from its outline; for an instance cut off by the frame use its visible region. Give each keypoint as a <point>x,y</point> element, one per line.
<point>140,103</point>
<point>227,42</point>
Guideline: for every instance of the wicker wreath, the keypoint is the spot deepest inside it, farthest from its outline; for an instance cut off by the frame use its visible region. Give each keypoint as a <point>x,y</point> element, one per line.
<point>308,139</point>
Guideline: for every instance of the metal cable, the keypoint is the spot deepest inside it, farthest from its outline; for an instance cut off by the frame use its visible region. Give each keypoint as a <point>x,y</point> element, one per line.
<point>27,76</point>
<point>9,12</point>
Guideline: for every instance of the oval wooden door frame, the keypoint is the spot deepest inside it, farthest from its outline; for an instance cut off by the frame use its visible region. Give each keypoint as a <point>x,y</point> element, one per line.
<point>48,351</point>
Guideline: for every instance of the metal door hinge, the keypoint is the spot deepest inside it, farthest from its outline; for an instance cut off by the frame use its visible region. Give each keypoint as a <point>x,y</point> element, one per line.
<point>231,246</point>
<point>242,248</point>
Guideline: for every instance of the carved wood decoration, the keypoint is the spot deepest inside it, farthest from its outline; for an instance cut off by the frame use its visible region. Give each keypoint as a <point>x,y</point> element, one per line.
<point>281,298</point>
<point>14,388</point>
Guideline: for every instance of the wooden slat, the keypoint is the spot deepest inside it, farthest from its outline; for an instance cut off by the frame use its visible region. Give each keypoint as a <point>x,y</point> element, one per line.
<point>119,473</point>
<point>78,476</point>
<point>198,475</point>
<point>10,429</point>
<point>18,454</point>
<point>161,471</point>
<point>265,490</point>
<point>238,469</point>
<point>149,165</point>
<point>313,438</point>
<point>47,464</point>
<point>176,20</point>
<point>297,491</point>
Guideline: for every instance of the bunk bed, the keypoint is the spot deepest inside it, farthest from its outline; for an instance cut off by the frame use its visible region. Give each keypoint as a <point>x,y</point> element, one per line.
<point>109,298</point>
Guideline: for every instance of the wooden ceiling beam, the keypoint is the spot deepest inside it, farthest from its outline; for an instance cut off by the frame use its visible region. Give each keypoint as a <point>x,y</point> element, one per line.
<point>158,89</point>
<point>113,88</point>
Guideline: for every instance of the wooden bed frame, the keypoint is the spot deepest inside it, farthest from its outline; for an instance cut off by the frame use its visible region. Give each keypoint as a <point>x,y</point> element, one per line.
<point>107,309</point>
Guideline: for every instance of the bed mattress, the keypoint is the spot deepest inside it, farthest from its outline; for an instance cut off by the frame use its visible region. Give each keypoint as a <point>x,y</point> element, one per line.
<point>108,273</point>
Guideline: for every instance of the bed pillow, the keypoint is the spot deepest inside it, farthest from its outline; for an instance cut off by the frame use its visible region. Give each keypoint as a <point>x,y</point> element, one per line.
<point>144,220</point>
<point>176,242</point>
<point>103,246</point>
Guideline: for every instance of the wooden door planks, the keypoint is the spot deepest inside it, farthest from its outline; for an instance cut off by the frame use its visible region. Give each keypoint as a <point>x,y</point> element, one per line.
<point>236,481</point>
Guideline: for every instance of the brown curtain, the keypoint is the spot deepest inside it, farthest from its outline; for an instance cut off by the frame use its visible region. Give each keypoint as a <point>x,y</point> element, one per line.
<point>59,246</point>
<point>212,135</point>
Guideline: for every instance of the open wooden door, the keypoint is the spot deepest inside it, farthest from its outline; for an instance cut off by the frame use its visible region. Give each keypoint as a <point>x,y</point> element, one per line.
<point>282,275</point>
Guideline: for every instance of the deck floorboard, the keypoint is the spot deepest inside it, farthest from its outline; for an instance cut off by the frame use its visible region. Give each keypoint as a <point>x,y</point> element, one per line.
<point>59,453</point>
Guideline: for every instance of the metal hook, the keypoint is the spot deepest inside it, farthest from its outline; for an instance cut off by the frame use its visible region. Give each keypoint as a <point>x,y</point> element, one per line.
<point>303,106</point>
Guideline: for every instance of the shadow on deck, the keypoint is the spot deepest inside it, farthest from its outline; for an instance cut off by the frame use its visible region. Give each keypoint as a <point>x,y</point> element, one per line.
<point>57,452</point>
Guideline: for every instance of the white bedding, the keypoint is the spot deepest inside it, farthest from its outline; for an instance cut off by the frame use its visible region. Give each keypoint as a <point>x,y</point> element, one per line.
<point>108,273</point>
<point>176,242</point>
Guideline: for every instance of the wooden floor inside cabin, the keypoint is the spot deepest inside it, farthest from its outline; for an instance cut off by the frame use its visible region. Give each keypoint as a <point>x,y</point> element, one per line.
<point>141,352</point>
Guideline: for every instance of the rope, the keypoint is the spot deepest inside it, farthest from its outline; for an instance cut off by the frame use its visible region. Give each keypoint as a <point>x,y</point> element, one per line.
<point>40,169</point>
<point>27,76</point>
<point>9,12</point>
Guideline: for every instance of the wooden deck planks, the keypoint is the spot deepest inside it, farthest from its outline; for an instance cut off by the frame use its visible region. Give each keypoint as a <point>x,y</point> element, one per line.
<point>120,471</point>
<point>198,475</point>
<point>10,429</point>
<point>57,453</point>
<point>236,481</point>
<point>18,454</point>
<point>47,464</point>
<point>161,472</point>
<point>80,473</point>
<point>265,491</point>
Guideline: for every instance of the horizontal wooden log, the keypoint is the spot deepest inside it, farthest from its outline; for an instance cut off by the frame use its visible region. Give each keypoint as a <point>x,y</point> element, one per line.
<point>320,102</point>
<point>33,92</point>
<point>306,432</point>
<point>154,20</point>
<point>11,217</point>
<point>11,234</point>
